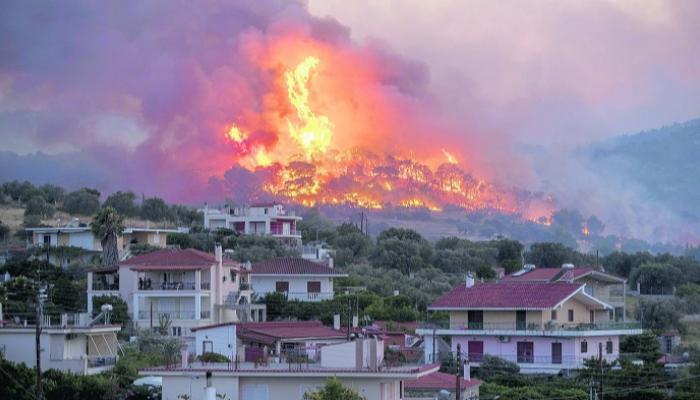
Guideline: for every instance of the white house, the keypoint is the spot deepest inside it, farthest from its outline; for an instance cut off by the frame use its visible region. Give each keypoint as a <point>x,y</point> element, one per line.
<point>297,278</point>
<point>357,364</point>
<point>270,219</point>
<point>187,288</point>
<point>82,350</point>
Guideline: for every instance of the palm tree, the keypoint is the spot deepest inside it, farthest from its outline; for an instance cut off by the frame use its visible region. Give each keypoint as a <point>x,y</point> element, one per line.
<point>107,226</point>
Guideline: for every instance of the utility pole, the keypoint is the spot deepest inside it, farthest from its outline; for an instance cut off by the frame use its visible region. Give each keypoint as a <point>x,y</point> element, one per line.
<point>458,393</point>
<point>349,317</point>
<point>37,332</point>
<point>600,362</point>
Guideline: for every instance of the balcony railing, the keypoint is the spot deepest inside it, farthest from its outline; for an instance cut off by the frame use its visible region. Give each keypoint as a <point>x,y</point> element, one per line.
<point>205,286</point>
<point>105,286</point>
<point>532,326</point>
<point>246,286</point>
<point>541,359</point>
<point>309,295</point>
<point>205,314</point>
<point>94,362</point>
<point>146,314</point>
<point>145,285</point>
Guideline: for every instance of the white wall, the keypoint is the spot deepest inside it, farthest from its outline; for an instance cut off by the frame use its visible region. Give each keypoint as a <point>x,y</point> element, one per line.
<point>223,339</point>
<point>19,348</point>
<point>84,240</point>
<point>297,284</point>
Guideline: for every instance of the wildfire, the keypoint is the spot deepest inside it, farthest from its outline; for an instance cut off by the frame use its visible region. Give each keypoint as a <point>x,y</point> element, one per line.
<point>315,131</point>
<point>314,162</point>
<point>585,231</point>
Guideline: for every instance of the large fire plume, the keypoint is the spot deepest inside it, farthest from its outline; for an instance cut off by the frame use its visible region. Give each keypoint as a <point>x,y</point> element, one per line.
<point>335,144</point>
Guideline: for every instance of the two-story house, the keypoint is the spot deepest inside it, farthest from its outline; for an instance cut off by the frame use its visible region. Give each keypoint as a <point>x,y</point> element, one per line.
<point>296,277</point>
<point>544,327</point>
<point>181,288</point>
<point>270,219</point>
<point>603,286</point>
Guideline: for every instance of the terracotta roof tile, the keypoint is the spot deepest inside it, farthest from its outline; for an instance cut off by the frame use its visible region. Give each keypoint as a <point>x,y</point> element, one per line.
<point>293,266</point>
<point>439,381</point>
<point>506,295</point>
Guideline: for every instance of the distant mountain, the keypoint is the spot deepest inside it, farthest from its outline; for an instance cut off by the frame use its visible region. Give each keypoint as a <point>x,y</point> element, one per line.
<point>665,162</point>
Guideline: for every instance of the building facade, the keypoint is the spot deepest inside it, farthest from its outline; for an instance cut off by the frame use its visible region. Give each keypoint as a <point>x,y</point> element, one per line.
<point>544,327</point>
<point>295,277</point>
<point>268,219</point>
<point>182,289</point>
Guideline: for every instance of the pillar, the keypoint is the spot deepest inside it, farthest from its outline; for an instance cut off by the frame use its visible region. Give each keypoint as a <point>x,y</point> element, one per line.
<point>135,307</point>
<point>198,306</point>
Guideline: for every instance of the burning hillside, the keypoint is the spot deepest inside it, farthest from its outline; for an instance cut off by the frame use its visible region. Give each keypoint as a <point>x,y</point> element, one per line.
<point>312,159</point>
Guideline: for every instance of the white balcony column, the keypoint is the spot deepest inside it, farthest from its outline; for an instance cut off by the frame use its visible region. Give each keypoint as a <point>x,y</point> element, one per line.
<point>198,280</point>
<point>135,307</point>
<point>246,227</point>
<point>197,306</point>
<point>268,229</point>
<point>89,293</point>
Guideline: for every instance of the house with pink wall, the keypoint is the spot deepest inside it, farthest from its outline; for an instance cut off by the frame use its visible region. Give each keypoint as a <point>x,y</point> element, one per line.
<point>544,327</point>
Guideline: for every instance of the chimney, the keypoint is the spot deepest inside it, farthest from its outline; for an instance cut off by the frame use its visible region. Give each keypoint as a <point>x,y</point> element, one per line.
<point>336,322</point>
<point>355,321</point>
<point>330,262</point>
<point>470,279</point>
<point>529,267</point>
<point>467,371</point>
<point>218,253</point>
<point>210,390</point>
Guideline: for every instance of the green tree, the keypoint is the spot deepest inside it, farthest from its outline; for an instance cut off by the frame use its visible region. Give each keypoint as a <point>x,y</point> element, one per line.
<point>82,202</point>
<point>123,202</point>
<point>66,295</point>
<point>492,366</point>
<point>107,225</point>
<point>52,193</point>
<point>38,206</point>
<point>509,254</point>
<point>644,346</point>
<point>155,209</point>
<point>120,310</point>
<point>4,231</point>
<point>333,390</point>
<point>660,315</point>
<point>656,278</point>
<point>184,240</point>
<point>549,255</point>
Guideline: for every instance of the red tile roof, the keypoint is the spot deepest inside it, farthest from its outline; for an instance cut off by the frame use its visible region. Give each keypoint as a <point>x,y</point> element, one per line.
<point>438,381</point>
<point>506,295</point>
<point>556,274</point>
<point>292,266</point>
<point>171,259</point>
<point>270,332</point>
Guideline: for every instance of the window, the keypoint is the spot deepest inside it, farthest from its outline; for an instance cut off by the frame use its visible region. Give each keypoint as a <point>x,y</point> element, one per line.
<point>609,347</point>
<point>313,287</point>
<point>475,319</point>
<point>207,346</point>
<point>571,315</point>
<point>177,331</point>
<point>592,316</point>
<point>282,287</point>
<point>584,347</point>
<point>233,275</point>
<point>554,315</point>
<point>47,239</point>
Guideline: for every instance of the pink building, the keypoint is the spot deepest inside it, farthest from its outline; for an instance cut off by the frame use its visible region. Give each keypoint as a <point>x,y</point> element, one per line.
<point>544,327</point>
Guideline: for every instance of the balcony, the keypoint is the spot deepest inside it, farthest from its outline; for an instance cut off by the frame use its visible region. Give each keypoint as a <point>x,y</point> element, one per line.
<point>175,286</point>
<point>309,296</point>
<point>246,286</point>
<point>146,314</point>
<point>205,314</point>
<point>529,328</point>
<point>100,361</point>
<point>205,286</point>
<point>103,286</point>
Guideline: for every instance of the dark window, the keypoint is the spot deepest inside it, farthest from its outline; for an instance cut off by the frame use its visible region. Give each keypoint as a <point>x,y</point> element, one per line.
<point>177,331</point>
<point>592,316</point>
<point>282,286</point>
<point>233,275</point>
<point>526,352</point>
<point>313,287</point>
<point>475,350</point>
<point>520,320</point>
<point>47,239</point>
<point>571,315</point>
<point>554,315</point>
<point>584,347</point>
<point>475,319</point>
<point>609,347</point>
<point>556,353</point>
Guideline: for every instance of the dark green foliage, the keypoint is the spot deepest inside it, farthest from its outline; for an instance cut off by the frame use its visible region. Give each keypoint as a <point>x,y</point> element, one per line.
<point>123,202</point>
<point>402,249</point>
<point>657,278</point>
<point>256,248</point>
<point>213,358</point>
<point>120,311</point>
<point>454,255</point>
<point>155,209</point>
<point>660,315</point>
<point>4,231</point>
<point>67,295</point>
<point>184,240</point>
<point>553,255</point>
<point>314,227</point>
<point>38,206</point>
<point>509,254</point>
<point>645,347</point>
<point>333,390</point>
<point>491,367</point>
<point>83,202</point>
<point>52,193</point>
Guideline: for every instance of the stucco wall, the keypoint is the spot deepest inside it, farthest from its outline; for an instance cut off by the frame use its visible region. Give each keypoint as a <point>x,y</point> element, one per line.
<point>297,285</point>
<point>223,340</point>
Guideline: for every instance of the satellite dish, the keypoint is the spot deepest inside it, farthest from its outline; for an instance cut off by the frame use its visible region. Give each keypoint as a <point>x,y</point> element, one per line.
<point>106,307</point>
<point>444,395</point>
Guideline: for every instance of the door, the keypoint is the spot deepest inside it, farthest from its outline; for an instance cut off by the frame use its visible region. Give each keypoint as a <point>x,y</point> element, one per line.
<point>520,320</point>
<point>286,231</point>
<point>475,351</point>
<point>556,353</point>
<point>526,352</point>
<point>592,316</point>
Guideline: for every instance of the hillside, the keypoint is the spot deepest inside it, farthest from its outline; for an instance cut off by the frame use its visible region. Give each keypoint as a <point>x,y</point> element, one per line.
<point>664,161</point>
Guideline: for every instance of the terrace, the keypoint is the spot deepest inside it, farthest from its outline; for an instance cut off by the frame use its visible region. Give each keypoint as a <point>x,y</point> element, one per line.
<point>530,328</point>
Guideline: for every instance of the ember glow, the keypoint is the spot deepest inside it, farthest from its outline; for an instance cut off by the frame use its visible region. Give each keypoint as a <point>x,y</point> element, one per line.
<point>310,163</point>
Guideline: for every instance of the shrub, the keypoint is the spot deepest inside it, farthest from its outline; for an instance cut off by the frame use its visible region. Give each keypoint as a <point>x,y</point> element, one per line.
<point>213,358</point>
